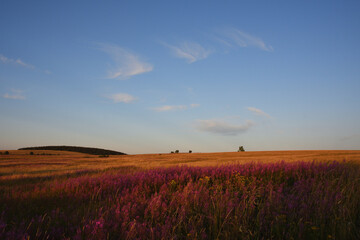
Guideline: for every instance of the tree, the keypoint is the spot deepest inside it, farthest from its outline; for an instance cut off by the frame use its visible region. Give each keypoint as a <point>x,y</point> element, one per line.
<point>176,151</point>
<point>241,149</point>
<point>7,153</point>
<point>190,151</point>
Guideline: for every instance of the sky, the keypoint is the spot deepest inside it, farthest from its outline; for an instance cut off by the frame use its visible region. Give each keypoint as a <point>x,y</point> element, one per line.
<point>157,76</point>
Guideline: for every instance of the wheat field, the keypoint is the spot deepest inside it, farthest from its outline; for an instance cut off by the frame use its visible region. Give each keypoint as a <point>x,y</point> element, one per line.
<point>20,164</point>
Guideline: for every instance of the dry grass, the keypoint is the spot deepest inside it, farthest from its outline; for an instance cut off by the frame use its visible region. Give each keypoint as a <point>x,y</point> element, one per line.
<point>20,164</point>
<point>66,195</point>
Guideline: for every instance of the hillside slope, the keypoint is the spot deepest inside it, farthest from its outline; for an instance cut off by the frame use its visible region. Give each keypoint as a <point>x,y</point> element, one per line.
<point>88,150</point>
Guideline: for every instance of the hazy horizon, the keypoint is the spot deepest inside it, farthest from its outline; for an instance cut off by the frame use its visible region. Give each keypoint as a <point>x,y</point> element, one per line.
<point>153,77</point>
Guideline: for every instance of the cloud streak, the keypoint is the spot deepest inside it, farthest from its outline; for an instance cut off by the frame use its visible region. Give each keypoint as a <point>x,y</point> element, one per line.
<point>18,61</point>
<point>166,108</point>
<point>126,64</point>
<point>15,95</point>
<point>234,37</point>
<point>190,51</point>
<point>121,98</point>
<point>223,128</point>
<point>258,112</point>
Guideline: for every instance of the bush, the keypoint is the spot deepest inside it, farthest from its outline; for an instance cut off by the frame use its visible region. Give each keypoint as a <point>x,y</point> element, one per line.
<point>172,151</point>
<point>31,153</point>
<point>176,151</point>
<point>190,151</point>
<point>241,149</point>
<point>7,153</point>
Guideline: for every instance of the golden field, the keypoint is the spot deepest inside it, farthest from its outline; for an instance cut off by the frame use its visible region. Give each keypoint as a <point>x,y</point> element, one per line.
<point>20,164</point>
<point>67,195</point>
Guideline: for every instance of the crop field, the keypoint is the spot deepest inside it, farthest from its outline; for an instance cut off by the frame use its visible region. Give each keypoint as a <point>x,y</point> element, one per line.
<point>247,195</point>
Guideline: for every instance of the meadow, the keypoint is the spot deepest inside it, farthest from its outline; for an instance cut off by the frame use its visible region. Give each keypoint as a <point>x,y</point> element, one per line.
<point>250,195</point>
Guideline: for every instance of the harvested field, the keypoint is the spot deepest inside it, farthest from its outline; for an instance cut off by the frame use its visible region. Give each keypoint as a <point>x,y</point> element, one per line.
<point>19,163</point>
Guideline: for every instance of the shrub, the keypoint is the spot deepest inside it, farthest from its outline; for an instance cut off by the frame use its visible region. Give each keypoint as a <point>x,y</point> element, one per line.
<point>190,151</point>
<point>176,151</point>
<point>241,149</point>
<point>31,153</point>
<point>7,153</point>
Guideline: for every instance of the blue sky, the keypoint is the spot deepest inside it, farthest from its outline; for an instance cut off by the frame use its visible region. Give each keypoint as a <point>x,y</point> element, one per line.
<point>156,76</point>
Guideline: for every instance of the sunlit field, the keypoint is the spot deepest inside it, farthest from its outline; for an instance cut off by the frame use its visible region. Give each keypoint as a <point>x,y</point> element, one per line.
<point>245,195</point>
<point>20,164</point>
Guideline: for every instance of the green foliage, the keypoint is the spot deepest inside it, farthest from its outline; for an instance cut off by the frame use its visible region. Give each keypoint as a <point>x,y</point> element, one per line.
<point>176,151</point>
<point>241,149</point>
<point>7,153</point>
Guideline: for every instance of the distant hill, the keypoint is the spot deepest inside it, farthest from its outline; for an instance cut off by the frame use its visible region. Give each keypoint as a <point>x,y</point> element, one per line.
<point>94,151</point>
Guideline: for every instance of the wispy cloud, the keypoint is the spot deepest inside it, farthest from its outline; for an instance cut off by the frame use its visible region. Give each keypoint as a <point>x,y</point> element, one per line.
<point>121,97</point>
<point>190,51</point>
<point>18,61</point>
<point>258,112</point>
<point>223,128</point>
<point>351,137</point>
<point>194,105</point>
<point>170,108</point>
<point>236,37</point>
<point>15,95</point>
<point>175,107</point>
<point>127,64</point>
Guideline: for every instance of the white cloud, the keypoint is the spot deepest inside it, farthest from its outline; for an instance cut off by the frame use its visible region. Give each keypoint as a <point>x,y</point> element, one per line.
<point>194,105</point>
<point>18,61</point>
<point>166,108</point>
<point>190,51</point>
<point>223,128</point>
<point>127,64</point>
<point>258,112</point>
<point>122,97</point>
<point>233,36</point>
<point>15,95</point>
<point>170,108</point>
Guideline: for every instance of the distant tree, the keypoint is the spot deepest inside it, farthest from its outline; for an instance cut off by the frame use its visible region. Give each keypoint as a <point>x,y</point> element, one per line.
<point>31,153</point>
<point>0,153</point>
<point>7,153</point>
<point>176,151</point>
<point>190,151</point>
<point>241,149</point>
<point>172,151</point>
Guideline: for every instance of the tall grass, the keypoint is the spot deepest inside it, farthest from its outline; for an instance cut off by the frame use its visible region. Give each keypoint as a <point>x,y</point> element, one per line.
<point>253,201</point>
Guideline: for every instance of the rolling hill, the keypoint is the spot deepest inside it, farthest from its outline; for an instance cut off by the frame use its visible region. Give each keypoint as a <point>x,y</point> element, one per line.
<point>87,150</point>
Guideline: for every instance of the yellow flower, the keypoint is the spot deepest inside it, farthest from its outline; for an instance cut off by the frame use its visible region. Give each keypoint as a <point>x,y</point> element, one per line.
<point>206,179</point>
<point>314,228</point>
